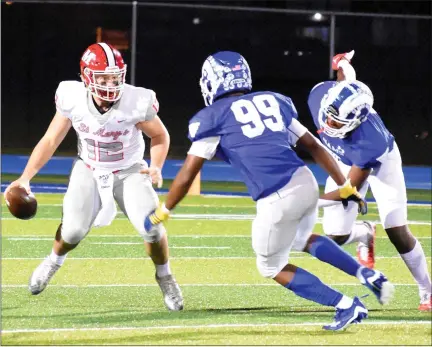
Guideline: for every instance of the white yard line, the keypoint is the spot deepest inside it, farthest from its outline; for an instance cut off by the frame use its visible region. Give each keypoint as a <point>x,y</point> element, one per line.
<point>140,243</point>
<point>242,206</point>
<point>219,217</point>
<point>194,236</point>
<point>183,285</point>
<point>176,258</point>
<point>209,326</point>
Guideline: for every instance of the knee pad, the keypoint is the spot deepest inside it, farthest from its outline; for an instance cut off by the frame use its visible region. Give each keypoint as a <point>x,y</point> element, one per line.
<point>154,235</point>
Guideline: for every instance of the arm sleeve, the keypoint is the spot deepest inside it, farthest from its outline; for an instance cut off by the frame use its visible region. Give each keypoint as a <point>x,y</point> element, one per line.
<point>205,148</point>
<point>295,131</point>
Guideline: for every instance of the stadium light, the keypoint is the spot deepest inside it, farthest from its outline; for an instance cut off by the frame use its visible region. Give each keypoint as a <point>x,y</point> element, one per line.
<point>317,17</point>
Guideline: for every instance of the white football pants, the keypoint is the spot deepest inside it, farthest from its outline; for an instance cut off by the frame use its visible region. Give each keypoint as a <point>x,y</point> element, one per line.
<point>388,188</point>
<point>132,191</point>
<point>284,220</point>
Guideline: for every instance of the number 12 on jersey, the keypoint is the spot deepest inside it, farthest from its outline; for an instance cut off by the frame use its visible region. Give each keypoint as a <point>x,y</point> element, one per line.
<point>102,151</point>
<point>260,113</point>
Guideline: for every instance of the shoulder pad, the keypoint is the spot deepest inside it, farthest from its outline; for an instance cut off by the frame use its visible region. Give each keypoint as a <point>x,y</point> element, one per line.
<point>67,96</point>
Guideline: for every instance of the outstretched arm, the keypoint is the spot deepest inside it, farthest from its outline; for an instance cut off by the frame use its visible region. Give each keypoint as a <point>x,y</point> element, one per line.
<point>341,63</point>
<point>177,192</point>
<point>346,191</point>
<point>183,180</point>
<point>43,151</point>
<point>198,153</point>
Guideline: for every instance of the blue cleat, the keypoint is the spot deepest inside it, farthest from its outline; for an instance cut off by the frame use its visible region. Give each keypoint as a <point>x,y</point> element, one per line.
<point>344,317</point>
<point>377,283</point>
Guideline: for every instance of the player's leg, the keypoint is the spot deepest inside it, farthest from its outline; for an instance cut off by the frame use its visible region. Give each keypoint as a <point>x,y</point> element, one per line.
<point>136,197</point>
<point>80,207</point>
<point>274,233</point>
<point>388,188</point>
<point>326,250</point>
<point>340,224</point>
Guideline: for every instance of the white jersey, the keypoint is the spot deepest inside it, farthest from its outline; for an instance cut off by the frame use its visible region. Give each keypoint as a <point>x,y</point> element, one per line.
<point>108,141</point>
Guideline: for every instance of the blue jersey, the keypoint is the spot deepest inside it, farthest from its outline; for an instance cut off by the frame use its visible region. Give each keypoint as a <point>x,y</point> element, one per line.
<point>364,146</point>
<point>253,131</point>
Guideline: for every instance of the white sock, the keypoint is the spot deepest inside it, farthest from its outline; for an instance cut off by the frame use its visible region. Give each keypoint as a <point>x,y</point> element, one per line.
<point>345,302</point>
<point>58,259</point>
<point>163,270</point>
<point>416,262</point>
<point>359,233</point>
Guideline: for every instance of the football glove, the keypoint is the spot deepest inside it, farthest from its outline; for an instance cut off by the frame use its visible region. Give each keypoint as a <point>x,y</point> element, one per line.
<point>156,217</point>
<point>349,193</point>
<point>338,57</point>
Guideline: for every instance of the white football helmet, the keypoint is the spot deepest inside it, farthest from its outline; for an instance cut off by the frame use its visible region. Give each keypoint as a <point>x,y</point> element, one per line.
<point>348,103</point>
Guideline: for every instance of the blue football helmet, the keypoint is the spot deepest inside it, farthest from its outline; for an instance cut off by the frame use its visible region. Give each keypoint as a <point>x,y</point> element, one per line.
<point>222,73</point>
<point>348,103</point>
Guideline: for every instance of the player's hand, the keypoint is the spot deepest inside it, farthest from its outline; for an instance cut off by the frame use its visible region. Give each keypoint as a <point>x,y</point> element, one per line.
<point>349,193</point>
<point>20,182</point>
<point>155,174</point>
<point>159,215</point>
<point>338,57</point>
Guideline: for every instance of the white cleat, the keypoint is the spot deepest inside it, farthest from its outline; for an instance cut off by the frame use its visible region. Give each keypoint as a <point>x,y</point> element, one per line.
<point>42,275</point>
<point>171,291</point>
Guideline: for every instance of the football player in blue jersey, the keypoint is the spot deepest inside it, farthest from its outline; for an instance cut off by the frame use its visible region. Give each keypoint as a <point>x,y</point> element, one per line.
<point>368,155</point>
<point>255,133</point>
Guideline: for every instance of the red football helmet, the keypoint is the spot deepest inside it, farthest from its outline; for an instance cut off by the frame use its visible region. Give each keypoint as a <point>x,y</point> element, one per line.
<point>103,71</point>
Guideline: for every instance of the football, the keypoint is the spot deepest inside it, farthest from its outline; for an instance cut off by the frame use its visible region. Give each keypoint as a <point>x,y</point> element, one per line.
<point>21,204</point>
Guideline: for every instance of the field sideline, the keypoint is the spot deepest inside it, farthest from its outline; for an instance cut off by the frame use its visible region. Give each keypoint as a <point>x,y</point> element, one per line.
<point>106,293</point>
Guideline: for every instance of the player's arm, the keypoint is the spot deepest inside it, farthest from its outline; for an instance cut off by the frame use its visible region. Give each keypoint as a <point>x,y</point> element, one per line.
<point>44,150</point>
<point>183,180</point>
<point>159,146</point>
<point>200,151</point>
<point>341,63</point>
<point>346,190</point>
<point>357,176</point>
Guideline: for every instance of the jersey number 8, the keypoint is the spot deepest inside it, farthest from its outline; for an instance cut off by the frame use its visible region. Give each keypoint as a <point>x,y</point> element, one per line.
<point>263,111</point>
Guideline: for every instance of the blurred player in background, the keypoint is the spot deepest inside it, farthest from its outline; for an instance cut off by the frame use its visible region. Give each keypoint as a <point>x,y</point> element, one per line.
<point>109,117</point>
<point>366,153</point>
<point>254,132</point>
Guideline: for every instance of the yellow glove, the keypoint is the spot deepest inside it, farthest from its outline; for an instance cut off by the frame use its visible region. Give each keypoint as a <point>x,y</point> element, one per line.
<point>349,193</point>
<point>159,215</point>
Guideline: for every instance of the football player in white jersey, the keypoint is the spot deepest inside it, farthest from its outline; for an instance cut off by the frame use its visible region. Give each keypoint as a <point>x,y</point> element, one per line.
<point>367,153</point>
<point>109,117</point>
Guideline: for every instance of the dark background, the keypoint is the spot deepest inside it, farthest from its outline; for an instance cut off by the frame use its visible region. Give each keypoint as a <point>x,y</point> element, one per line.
<point>289,53</point>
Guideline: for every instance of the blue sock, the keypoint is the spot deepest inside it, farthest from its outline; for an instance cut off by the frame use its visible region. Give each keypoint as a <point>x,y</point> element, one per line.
<point>326,250</point>
<point>310,287</point>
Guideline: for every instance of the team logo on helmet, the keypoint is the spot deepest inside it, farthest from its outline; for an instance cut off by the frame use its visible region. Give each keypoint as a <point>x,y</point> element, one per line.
<point>103,71</point>
<point>223,73</point>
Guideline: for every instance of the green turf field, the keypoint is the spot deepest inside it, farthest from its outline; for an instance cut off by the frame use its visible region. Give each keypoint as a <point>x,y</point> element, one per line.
<point>213,186</point>
<point>106,293</point>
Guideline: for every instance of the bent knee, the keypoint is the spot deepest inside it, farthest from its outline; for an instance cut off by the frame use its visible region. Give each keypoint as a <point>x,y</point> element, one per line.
<point>73,235</point>
<point>154,234</point>
<point>269,267</point>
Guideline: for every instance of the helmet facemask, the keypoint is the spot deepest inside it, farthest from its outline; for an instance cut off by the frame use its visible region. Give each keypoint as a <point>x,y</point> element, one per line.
<point>106,85</point>
<point>347,125</point>
<point>348,104</point>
